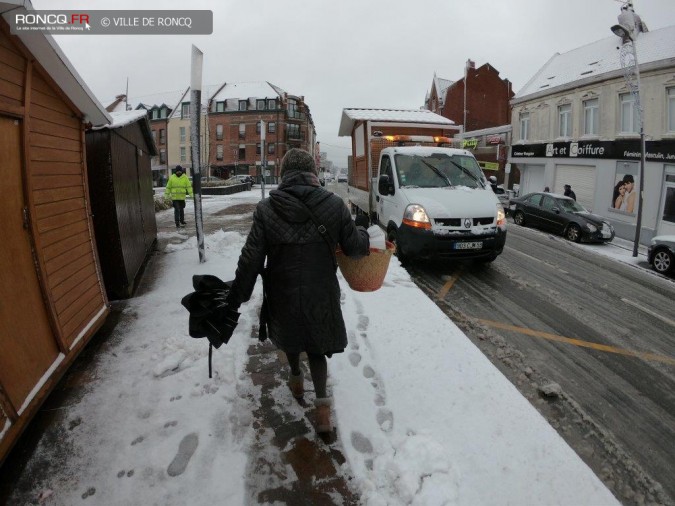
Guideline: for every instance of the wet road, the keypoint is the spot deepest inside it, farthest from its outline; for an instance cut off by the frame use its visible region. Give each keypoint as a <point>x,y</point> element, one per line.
<point>603,330</point>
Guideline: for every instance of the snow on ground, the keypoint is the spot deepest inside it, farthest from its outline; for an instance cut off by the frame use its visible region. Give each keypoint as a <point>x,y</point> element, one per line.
<point>422,414</point>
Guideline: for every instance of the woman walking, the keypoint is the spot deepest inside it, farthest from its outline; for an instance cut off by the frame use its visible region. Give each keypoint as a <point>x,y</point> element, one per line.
<point>296,231</point>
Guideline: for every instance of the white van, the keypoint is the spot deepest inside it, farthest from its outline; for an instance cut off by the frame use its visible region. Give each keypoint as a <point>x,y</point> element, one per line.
<point>434,202</point>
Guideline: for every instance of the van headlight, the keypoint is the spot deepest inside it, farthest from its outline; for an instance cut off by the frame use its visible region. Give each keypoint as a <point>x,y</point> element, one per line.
<point>501,216</point>
<point>416,216</point>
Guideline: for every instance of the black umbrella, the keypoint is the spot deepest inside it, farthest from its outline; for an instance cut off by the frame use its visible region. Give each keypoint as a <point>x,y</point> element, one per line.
<point>210,314</point>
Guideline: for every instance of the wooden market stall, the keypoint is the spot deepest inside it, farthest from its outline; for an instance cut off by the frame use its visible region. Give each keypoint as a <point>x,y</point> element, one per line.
<point>120,178</point>
<point>52,298</point>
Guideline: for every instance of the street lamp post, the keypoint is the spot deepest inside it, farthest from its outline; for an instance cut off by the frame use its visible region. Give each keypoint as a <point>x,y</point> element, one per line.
<point>626,29</point>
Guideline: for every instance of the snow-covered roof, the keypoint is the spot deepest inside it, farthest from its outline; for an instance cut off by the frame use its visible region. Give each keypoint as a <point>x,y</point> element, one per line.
<point>207,91</point>
<point>442,86</point>
<point>598,60</point>
<point>351,116</point>
<point>258,89</point>
<point>123,118</point>
<point>167,98</point>
<point>48,53</point>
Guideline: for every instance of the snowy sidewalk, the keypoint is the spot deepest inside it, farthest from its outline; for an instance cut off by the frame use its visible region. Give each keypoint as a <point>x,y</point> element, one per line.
<point>422,416</point>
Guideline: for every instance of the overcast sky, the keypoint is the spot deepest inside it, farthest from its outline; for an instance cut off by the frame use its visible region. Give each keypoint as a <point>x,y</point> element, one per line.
<point>346,53</point>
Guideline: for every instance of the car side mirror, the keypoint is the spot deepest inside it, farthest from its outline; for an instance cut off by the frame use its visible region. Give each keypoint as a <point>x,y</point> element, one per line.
<point>385,186</point>
<point>556,210</point>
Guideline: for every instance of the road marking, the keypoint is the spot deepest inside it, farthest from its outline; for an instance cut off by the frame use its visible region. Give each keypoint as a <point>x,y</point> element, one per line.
<point>650,312</point>
<point>538,260</point>
<point>579,342</point>
<point>448,284</point>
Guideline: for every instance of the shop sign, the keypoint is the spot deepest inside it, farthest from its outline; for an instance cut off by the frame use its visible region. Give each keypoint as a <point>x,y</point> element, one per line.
<point>494,139</point>
<point>470,143</point>
<point>656,151</point>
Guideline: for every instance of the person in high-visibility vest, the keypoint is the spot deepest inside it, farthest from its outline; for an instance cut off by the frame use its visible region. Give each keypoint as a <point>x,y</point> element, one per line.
<point>177,189</point>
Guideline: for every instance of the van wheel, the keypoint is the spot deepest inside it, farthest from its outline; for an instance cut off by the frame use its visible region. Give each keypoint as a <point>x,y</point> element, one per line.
<point>392,236</point>
<point>519,218</point>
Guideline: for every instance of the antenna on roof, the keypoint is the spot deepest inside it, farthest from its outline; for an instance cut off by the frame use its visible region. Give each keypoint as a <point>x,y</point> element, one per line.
<point>126,97</point>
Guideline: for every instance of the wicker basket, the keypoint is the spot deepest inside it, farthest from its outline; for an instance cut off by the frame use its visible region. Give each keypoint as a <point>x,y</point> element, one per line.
<point>365,274</point>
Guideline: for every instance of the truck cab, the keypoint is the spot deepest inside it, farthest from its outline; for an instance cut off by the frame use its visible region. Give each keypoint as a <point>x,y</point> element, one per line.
<point>434,202</point>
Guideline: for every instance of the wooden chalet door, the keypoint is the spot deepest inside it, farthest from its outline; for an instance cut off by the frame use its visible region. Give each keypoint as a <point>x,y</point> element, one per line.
<point>27,345</point>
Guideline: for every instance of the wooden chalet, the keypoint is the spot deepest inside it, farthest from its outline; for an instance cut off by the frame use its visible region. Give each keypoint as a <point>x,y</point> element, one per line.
<point>120,178</point>
<point>52,298</point>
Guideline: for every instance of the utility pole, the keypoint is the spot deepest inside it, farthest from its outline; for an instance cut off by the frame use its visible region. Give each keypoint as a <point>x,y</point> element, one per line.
<point>195,144</point>
<point>262,157</point>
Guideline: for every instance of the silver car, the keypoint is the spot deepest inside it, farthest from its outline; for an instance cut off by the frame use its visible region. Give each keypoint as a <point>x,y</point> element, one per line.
<point>661,254</point>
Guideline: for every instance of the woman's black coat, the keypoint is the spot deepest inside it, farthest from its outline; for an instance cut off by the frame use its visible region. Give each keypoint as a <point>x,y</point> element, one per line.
<point>302,290</point>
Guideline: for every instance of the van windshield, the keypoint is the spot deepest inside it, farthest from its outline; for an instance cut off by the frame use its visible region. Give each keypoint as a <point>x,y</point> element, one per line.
<point>438,170</point>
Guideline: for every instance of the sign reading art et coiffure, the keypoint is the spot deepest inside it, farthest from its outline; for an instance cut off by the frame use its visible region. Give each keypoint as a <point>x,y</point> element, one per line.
<point>656,151</point>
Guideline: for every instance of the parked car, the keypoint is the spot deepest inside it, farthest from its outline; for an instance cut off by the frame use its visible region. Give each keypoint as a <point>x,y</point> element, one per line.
<point>241,178</point>
<point>342,178</point>
<point>661,254</point>
<point>561,215</point>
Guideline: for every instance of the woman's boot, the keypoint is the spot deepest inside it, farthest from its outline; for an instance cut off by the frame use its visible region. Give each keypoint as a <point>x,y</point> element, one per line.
<point>297,385</point>
<point>322,415</point>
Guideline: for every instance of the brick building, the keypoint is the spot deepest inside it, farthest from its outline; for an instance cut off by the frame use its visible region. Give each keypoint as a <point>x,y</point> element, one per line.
<point>485,104</point>
<point>235,112</point>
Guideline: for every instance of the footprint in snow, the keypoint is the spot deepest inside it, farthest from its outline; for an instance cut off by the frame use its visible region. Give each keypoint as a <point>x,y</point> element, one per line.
<point>354,358</point>
<point>385,419</point>
<point>137,440</point>
<point>173,423</point>
<point>361,443</point>
<point>186,449</point>
<point>368,372</point>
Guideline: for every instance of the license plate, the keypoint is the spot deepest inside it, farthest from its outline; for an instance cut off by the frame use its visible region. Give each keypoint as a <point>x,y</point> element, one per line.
<point>469,245</point>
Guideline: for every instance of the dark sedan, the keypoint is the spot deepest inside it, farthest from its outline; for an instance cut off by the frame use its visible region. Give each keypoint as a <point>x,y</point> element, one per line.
<point>561,215</point>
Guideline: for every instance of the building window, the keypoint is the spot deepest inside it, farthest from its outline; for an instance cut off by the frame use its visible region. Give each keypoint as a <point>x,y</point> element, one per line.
<point>183,154</point>
<point>162,136</point>
<point>293,131</point>
<point>271,148</point>
<point>591,117</point>
<point>242,131</point>
<point>257,127</point>
<point>219,152</point>
<point>154,136</point>
<point>219,132</point>
<point>271,104</point>
<point>242,151</point>
<point>260,105</point>
<point>185,110</point>
<point>629,114</point>
<point>293,109</point>
<point>565,120</point>
<point>220,106</point>
<point>182,134</point>
<point>243,105</point>
<point>271,127</point>
<point>524,125</point>
<point>163,113</point>
<point>671,109</point>
<point>257,149</point>
<point>162,156</point>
